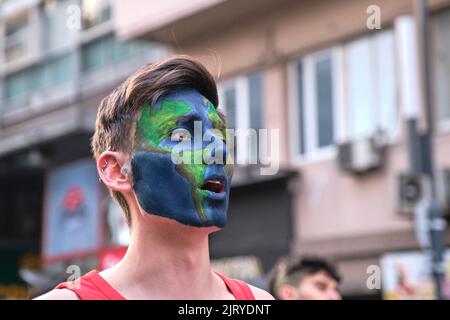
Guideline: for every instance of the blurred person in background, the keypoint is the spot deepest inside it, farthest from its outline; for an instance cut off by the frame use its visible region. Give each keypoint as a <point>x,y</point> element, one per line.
<point>308,278</point>
<point>144,144</point>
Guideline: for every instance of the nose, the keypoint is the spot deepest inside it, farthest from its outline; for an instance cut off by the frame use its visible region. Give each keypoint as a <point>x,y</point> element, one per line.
<point>215,149</point>
<point>334,295</point>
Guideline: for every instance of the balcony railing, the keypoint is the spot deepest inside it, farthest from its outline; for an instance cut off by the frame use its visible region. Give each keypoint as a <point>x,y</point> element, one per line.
<point>62,80</point>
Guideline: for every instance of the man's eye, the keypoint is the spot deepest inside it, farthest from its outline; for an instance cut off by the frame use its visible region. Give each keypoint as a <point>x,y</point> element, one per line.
<point>180,135</point>
<point>321,286</point>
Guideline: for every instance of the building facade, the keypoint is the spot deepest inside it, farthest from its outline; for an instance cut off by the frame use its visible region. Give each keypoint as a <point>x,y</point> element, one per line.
<point>58,59</point>
<point>320,74</point>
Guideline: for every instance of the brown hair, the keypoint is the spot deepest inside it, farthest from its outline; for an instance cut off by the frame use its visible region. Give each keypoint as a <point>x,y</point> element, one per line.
<point>293,270</point>
<point>118,112</point>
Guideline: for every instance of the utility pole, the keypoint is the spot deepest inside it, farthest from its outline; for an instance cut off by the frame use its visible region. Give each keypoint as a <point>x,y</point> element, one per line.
<point>424,162</point>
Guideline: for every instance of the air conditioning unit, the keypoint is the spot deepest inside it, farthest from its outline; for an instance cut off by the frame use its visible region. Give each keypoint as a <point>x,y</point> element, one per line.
<point>411,189</point>
<point>359,156</point>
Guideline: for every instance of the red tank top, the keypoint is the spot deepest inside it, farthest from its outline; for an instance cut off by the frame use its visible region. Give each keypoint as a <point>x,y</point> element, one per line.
<point>92,286</point>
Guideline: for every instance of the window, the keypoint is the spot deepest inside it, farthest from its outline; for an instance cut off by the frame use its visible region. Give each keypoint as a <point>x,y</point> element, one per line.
<point>370,84</point>
<point>16,86</point>
<point>95,12</point>
<point>442,66</point>
<point>359,84</point>
<point>324,98</point>
<point>109,50</point>
<point>241,99</point>
<point>62,70</point>
<point>343,93</point>
<point>314,100</point>
<point>230,106</point>
<point>20,85</point>
<point>17,37</point>
<point>255,100</point>
<point>54,24</point>
<point>300,120</point>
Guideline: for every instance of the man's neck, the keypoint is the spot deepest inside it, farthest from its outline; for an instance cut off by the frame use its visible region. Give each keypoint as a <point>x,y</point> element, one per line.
<point>166,260</point>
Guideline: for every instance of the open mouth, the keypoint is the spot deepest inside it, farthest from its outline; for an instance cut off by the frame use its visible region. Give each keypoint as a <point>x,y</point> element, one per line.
<point>215,186</point>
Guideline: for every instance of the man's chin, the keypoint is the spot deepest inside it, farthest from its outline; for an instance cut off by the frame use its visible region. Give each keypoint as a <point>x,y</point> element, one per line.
<point>204,228</point>
<point>163,220</point>
<point>214,229</point>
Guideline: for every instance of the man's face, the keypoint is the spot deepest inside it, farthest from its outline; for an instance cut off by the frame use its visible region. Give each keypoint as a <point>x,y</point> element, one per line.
<point>176,176</point>
<point>318,286</point>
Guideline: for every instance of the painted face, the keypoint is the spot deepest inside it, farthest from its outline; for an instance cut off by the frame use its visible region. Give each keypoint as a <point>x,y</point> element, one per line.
<point>173,169</point>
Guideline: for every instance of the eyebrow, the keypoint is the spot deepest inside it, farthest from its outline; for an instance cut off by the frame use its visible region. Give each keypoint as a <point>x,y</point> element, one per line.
<point>188,117</point>
<point>193,116</point>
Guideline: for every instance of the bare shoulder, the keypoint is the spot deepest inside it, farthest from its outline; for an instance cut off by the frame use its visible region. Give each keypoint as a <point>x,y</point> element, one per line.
<point>58,294</point>
<point>261,294</point>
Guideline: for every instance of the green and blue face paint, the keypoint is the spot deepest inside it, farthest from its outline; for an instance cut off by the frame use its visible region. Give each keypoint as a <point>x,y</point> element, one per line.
<point>176,176</point>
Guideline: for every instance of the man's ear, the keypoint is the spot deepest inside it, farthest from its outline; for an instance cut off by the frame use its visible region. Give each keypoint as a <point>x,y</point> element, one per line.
<point>287,292</point>
<point>113,169</point>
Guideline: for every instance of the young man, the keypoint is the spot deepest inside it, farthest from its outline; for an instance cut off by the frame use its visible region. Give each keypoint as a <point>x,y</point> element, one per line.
<point>310,278</point>
<point>173,187</point>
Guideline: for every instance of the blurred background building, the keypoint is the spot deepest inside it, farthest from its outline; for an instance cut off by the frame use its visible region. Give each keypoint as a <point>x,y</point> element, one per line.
<point>58,59</point>
<point>314,70</point>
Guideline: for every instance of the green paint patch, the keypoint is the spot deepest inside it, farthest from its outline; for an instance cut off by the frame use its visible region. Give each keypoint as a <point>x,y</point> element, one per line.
<point>199,199</point>
<point>154,124</point>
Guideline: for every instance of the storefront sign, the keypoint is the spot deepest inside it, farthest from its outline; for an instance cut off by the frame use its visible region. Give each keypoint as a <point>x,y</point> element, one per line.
<point>72,220</point>
<point>407,276</point>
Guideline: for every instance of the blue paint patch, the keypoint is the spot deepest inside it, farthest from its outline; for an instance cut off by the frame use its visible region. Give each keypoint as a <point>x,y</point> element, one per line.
<point>161,190</point>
